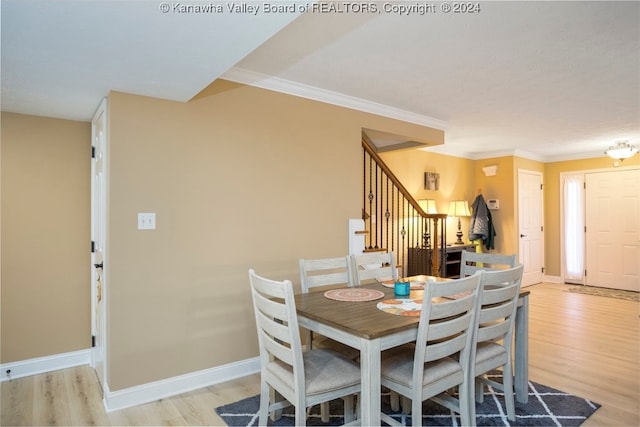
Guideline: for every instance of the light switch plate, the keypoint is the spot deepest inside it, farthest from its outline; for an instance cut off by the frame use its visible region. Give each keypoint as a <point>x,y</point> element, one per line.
<point>146,221</point>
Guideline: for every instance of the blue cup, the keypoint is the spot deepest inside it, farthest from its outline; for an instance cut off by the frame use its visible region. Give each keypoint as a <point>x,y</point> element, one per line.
<point>402,289</point>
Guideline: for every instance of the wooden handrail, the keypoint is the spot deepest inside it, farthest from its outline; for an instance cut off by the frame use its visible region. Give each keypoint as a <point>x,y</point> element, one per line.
<point>368,146</point>
<point>433,222</point>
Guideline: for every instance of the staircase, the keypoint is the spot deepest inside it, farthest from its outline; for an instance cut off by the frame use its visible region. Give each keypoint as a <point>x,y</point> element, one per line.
<point>394,221</point>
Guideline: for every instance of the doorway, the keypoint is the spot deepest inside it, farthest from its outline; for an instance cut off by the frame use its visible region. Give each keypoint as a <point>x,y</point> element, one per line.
<point>98,240</point>
<point>613,229</point>
<point>531,243</point>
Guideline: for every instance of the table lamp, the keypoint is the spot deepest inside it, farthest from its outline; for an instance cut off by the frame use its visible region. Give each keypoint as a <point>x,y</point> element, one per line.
<point>459,208</point>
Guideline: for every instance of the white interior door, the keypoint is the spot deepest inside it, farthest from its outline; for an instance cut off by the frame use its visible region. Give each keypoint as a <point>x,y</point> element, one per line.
<point>613,229</point>
<point>531,248</point>
<point>98,239</point>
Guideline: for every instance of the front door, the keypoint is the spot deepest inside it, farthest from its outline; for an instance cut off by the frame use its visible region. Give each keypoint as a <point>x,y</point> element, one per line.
<point>98,238</point>
<point>530,245</point>
<point>613,229</point>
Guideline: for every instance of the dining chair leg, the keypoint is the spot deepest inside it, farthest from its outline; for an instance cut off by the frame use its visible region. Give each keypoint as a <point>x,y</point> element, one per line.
<point>348,409</point>
<point>471,400</point>
<point>274,397</point>
<point>263,412</point>
<point>507,382</point>
<point>416,412</point>
<point>479,390</point>
<point>465,404</point>
<point>405,403</point>
<point>324,412</point>
<point>394,400</point>
<point>301,416</point>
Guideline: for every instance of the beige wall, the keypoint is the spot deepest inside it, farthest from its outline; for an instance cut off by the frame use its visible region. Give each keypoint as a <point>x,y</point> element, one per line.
<point>456,180</point>
<point>46,172</point>
<point>462,179</point>
<point>240,177</point>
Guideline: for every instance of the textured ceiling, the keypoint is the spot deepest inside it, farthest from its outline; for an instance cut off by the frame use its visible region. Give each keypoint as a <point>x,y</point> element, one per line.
<point>546,80</point>
<point>61,57</point>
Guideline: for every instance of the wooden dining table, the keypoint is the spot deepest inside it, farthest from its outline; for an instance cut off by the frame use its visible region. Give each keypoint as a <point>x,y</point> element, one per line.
<point>361,325</point>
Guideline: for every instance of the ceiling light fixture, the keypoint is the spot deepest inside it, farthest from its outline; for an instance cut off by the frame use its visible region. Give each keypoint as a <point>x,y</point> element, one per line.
<point>621,150</point>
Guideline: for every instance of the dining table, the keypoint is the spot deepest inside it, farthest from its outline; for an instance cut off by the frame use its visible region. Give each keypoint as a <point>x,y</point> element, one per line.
<point>363,326</point>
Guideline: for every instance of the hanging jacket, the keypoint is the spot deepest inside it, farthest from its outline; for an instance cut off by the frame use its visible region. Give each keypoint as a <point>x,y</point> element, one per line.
<point>481,226</point>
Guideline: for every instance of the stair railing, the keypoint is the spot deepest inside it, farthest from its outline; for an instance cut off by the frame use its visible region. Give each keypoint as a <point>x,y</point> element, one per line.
<point>395,221</point>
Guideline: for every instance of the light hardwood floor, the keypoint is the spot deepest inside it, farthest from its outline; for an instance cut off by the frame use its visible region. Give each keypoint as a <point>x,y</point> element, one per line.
<point>581,344</point>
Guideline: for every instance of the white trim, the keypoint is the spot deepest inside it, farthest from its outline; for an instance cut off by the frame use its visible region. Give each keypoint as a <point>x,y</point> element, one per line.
<point>552,279</point>
<point>252,78</point>
<point>39,365</point>
<point>140,394</point>
<point>156,390</point>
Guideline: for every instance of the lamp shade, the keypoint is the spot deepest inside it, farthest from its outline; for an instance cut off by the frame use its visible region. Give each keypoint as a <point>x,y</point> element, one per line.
<point>621,150</point>
<point>459,208</point>
<point>428,206</point>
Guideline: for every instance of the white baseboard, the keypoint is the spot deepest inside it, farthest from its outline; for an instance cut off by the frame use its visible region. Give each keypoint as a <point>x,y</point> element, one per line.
<point>145,393</point>
<point>133,396</point>
<point>39,365</point>
<point>553,279</point>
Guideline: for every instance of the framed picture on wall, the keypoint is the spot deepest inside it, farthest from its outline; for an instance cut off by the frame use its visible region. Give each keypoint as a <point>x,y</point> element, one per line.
<point>431,181</point>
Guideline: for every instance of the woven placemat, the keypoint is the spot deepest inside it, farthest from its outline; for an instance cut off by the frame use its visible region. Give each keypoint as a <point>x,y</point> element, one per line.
<point>354,294</point>
<point>401,306</point>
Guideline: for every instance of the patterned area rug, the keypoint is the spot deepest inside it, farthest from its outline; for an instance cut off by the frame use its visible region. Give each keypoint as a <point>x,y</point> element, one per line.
<point>605,292</point>
<point>546,407</point>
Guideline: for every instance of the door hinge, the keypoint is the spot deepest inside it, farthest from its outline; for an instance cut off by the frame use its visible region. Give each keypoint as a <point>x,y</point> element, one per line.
<point>93,246</point>
<point>93,152</point>
<point>542,269</point>
<point>541,186</point>
<point>541,228</point>
<point>93,341</point>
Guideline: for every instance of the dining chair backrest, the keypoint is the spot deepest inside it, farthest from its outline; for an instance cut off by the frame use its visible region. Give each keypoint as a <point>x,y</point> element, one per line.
<point>470,262</point>
<point>445,337</point>
<point>277,324</point>
<point>372,267</point>
<point>325,272</point>
<point>447,320</point>
<point>498,304</point>
<point>493,336</point>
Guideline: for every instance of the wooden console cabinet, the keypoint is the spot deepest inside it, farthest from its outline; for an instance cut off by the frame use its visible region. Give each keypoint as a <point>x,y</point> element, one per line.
<point>419,260</point>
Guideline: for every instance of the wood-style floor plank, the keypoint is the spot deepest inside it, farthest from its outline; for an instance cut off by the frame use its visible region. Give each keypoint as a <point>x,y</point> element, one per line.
<point>588,346</point>
<point>16,402</point>
<point>581,344</point>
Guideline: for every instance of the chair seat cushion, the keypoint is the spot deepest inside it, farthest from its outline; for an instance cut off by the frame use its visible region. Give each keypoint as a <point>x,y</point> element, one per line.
<point>489,352</point>
<point>324,371</point>
<point>397,366</point>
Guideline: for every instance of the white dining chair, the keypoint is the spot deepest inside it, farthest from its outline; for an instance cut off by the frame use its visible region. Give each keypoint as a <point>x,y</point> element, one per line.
<point>302,379</point>
<point>493,336</point>
<point>438,362</point>
<point>372,267</point>
<point>321,273</point>
<point>471,262</point>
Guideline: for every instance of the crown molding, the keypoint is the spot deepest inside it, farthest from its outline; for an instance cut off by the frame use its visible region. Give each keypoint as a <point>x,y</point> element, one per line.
<point>252,78</point>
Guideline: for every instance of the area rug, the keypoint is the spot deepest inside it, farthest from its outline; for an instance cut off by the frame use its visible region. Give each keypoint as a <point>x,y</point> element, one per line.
<point>546,407</point>
<point>605,292</point>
